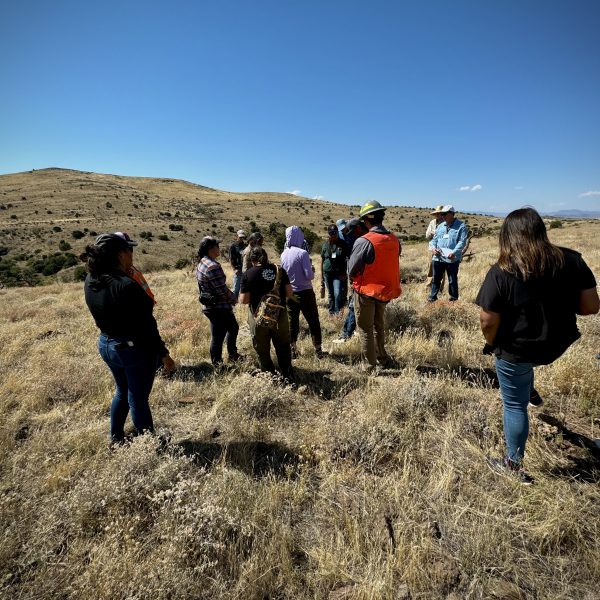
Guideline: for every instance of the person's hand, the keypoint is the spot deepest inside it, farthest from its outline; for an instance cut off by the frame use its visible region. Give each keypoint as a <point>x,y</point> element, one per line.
<point>451,255</point>
<point>436,251</point>
<point>169,365</point>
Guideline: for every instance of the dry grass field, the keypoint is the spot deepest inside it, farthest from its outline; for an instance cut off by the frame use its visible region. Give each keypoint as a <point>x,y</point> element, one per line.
<point>345,486</point>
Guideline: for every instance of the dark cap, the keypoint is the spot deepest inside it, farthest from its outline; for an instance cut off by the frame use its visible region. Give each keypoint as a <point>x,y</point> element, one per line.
<point>333,230</point>
<point>119,239</point>
<point>352,224</point>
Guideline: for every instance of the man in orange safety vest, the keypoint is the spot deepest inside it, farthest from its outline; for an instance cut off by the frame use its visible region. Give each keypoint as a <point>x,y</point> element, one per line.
<point>375,272</point>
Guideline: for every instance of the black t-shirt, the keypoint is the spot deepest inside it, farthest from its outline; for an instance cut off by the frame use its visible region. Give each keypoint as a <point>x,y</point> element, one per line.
<point>538,317</point>
<point>235,254</point>
<point>335,257</point>
<point>258,281</point>
<point>122,309</point>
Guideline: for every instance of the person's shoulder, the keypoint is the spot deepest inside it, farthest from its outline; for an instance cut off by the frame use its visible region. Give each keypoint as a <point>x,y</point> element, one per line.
<point>571,255</point>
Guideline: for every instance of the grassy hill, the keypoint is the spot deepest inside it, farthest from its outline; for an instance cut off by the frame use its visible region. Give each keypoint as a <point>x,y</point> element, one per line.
<point>346,486</point>
<point>39,209</point>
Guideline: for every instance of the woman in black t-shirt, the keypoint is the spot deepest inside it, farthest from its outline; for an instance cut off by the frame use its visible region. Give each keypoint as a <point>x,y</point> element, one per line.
<point>257,281</point>
<point>528,302</point>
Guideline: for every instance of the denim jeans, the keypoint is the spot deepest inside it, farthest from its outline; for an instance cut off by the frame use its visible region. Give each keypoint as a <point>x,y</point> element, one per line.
<point>350,322</point>
<point>335,292</point>
<point>237,282</point>
<point>133,369</point>
<point>223,325</point>
<point>439,268</point>
<point>516,383</point>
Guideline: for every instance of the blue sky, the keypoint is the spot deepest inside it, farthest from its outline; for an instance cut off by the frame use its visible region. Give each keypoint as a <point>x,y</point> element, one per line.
<point>489,105</point>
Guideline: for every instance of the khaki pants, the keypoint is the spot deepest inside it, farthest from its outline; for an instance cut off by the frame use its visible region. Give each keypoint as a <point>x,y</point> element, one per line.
<point>280,337</point>
<point>370,318</point>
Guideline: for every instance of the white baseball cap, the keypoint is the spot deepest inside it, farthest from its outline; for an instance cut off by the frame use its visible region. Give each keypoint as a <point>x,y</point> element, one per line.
<point>448,208</point>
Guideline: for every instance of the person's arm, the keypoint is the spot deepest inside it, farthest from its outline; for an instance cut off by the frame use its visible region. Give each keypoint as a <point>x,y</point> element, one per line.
<point>433,244</point>
<point>431,229</point>
<point>289,292</point>
<point>489,321</point>
<point>307,267</point>
<point>363,254</point>
<point>244,298</point>
<point>218,283</point>
<point>589,303</point>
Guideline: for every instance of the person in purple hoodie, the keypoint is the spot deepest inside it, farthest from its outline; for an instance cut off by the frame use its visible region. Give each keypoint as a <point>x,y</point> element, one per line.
<point>296,262</point>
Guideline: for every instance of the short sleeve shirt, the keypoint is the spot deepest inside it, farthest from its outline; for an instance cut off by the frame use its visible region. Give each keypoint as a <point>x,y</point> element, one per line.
<point>258,281</point>
<point>537,317</point>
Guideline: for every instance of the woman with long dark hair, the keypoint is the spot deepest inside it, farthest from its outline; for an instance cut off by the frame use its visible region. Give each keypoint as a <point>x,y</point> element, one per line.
<point>218,301</point>
<point>129,341</point>
<point>529,302</point>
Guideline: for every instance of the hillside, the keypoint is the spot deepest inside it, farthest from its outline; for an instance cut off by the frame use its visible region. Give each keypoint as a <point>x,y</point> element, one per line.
<point>40,208</point>
<point>345,486</point>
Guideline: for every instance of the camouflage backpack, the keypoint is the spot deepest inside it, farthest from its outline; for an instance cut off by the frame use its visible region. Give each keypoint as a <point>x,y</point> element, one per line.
<point>270,306</point>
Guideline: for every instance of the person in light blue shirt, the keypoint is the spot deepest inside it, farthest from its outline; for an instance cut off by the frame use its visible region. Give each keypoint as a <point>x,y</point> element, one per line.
<point>446,248</point>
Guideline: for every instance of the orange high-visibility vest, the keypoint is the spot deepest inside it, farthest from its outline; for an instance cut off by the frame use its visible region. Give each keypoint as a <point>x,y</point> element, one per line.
<point>381,279</point>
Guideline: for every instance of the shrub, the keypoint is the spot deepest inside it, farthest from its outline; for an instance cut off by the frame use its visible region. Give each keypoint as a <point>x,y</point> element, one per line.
<point>182,263</point>
<point>164,237</point>
<point>57,228</point>
<point>77,234</point>
<point>146,235</point>
<point>556,224</point>
<point>230,228</point>
<point>64,246</point>
<point>109,205</point>
<point>175,227</point>
<point>79,274</point>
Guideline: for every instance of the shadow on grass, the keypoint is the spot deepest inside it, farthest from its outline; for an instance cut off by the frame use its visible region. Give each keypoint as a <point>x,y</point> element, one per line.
<point>581,468</point>
<point>322,385</point>
<point>479,376</point>
<point>197,373</point>
<point>257,459</point>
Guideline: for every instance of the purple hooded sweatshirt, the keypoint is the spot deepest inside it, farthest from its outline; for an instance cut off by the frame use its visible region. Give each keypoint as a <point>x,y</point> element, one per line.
<point>296,261</point>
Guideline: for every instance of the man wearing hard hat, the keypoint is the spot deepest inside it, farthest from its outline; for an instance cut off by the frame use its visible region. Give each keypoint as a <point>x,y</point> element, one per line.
<point>375,272</point>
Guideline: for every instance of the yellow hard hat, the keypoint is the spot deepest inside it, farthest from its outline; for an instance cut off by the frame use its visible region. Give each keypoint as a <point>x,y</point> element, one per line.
<point>370,207</point>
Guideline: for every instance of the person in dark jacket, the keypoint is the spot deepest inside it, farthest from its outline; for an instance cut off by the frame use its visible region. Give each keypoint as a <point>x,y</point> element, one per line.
<point>129,341</point>
<point>528,302</point>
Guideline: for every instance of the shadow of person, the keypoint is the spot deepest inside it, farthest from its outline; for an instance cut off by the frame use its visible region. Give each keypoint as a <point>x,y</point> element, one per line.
<point>197,373</point>
<point>478,376</point>
<point>257,459</point>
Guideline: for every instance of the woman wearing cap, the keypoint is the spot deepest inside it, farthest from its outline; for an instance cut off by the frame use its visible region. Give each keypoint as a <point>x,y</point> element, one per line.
<point>528,302</point>
<point>129,342</point>
<point>218,301</point>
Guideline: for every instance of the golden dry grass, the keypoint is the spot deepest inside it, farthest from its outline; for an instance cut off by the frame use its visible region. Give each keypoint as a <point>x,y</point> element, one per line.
<point>345,486</point>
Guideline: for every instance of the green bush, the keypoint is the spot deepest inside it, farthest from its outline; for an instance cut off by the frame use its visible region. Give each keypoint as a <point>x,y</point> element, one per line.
<point>50,265</point>
<point>164,237</point>
<point>64,246</point>
<point>175,227</point>
<point>77,234</point>
<point>79,274</point>
<point>556,224</point>
<point>182,263</point>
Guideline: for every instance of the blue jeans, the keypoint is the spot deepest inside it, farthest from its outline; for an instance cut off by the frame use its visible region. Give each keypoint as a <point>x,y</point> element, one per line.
<point>350,322</point>
<point>335,292</point>
<point>439,268</point>
<point>237,282</point>
<point>223,324</point>
<point>133,369</point>
<point>516,383</point>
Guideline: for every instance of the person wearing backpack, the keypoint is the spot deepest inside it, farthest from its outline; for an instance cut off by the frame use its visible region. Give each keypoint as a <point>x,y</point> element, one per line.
<point>529,301</point>
<point>265,288</point>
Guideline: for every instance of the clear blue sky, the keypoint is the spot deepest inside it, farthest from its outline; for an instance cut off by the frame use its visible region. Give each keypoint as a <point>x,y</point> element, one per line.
<point>406,102</point>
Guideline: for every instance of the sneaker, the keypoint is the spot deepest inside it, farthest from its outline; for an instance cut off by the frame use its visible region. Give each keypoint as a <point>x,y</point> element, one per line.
<point>535,399</point>
<point>320,353</point>
<point>341,340</point>
<point>504,466</point>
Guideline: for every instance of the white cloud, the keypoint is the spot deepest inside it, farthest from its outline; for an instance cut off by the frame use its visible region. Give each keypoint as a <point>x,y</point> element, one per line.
<point>588,194</point>
<point>464,188</point>
<point>295,192</point>
<point>476,188</point>
<point>317,197</point>
<point>470,188</point>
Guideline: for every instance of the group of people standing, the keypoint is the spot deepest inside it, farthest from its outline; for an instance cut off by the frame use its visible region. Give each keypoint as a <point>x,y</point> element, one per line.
<point>529,301</point>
